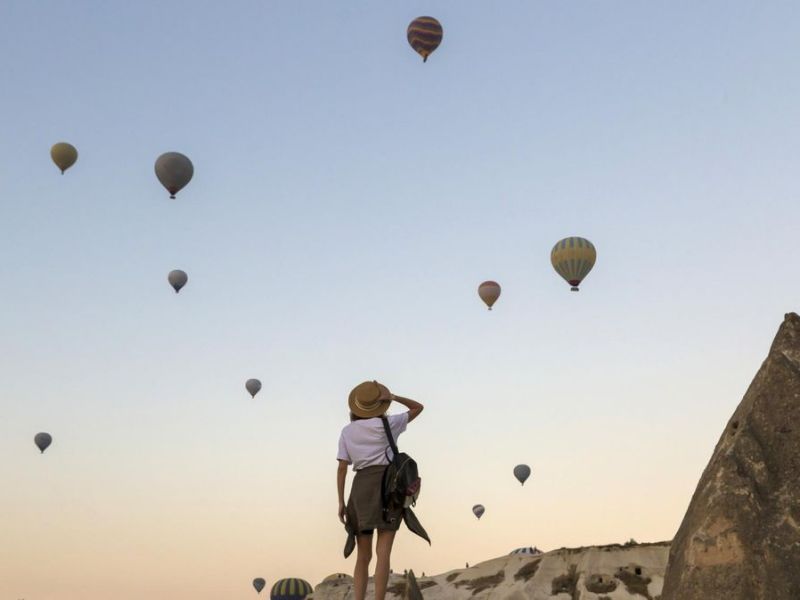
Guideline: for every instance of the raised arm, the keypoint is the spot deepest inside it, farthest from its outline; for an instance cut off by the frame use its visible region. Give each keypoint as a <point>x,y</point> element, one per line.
<point>414,407</point>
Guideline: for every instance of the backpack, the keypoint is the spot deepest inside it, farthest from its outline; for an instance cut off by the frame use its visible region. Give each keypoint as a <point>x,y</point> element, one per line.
<point>401,482</point>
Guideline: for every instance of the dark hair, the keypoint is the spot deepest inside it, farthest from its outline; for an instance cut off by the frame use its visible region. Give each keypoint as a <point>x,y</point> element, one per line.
<point>355,417</point>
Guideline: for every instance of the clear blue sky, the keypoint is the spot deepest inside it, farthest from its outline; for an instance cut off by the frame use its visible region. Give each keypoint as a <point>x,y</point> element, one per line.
<point>347,201</point>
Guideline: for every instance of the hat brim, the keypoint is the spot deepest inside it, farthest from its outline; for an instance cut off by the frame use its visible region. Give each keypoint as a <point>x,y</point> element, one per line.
<point>378,410</point>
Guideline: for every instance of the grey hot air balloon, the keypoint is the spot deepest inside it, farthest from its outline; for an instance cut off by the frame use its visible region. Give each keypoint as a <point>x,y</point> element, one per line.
<point>174,171</point>
<point>259,584</point>
<point>177,279</point>
<point>42,441</point>
<point>478,510</point>
<point>522,472</point>
<point>253,386</point>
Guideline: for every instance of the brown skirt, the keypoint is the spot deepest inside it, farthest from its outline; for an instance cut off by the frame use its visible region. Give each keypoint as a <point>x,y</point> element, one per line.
<point>364,507</point>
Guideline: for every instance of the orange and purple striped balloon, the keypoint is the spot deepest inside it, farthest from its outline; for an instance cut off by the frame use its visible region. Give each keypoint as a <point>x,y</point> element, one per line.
<point>425,35</point>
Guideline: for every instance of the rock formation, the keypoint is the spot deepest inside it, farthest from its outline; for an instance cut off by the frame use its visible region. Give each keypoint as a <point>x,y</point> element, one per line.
<point>740,538</point>
<point>615,572</point>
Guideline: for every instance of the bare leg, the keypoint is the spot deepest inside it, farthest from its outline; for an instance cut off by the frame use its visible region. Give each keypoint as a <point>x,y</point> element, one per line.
<point>363,556</point>
<point>384,551</point>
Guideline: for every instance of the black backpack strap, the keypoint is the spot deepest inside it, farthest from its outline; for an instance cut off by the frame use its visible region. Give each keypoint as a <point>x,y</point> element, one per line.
<point>385,492</point>
<point>389,435</point>
<point>384,496</point>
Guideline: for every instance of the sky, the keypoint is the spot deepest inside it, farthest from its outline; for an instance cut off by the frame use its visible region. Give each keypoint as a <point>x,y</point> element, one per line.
<point>347,201</point>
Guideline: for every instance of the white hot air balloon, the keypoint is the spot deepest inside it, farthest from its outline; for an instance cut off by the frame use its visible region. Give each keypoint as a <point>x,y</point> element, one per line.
<point>253,386</point>
<point>177,279</point>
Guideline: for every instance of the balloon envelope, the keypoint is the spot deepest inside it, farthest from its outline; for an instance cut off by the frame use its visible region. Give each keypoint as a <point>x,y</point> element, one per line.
<point>478,510</point>
<point>489,291</point>
<point>64,155</point>
<point>522,472</point>
<point>424,34</point>
<point>253,386</point>
<point>174,171</point>
<point>259,584</point>
<point>177,279</point>
<point>338,577</point>
<point>42,441</point>
<point>573,258</point>
<point>529,551</point>
<point>290,589</point>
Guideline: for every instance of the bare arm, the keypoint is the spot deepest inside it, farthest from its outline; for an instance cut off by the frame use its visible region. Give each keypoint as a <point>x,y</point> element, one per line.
<point>414,407</point>
<point>341,475</point>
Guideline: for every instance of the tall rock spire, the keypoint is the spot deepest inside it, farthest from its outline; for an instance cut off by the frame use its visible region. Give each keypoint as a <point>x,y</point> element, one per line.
<point>740,538</point>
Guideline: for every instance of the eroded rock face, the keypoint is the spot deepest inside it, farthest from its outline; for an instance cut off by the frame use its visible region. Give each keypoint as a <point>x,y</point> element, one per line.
<point>740,538</point>
<point>613,572</point>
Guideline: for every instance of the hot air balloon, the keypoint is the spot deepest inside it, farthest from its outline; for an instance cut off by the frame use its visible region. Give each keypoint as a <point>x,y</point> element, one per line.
<point>529,551</point>
<point>338,578</point>
<point>425,34</point>
<point>177,279</point>
<point>42,441</point>
<point>259,584</point>
<point>253,386</point>
<point>489,291</point>
<point>573,258</point>
<point>174,171</point>
<point>522,472</point>
<point>478,510</point>
<point>290,589</point>
<point>64,155</point>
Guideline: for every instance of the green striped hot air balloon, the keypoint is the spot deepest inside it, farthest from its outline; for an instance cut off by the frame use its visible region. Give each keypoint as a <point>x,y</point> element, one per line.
<point>573,258</point>
<point>290,589</point>
<point>425,34</point>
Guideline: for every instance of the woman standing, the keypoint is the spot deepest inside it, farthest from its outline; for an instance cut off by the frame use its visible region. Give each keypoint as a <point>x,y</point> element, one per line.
<point>363,443</point>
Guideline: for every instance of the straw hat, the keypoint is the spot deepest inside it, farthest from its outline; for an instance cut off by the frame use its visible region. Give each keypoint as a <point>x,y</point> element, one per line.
<point>365,399</point>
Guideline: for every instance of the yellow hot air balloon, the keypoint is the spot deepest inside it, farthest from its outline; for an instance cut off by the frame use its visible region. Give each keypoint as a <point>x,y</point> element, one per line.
<point>573,258</point>
<point>489,291</point>
<point>64,155</point>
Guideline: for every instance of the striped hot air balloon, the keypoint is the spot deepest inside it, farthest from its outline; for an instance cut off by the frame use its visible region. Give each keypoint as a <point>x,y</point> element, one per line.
<point>573,258</point>
<point>290,589</point>
<point>338,578</point>
<point>530,551</point>
<point>425,34</point>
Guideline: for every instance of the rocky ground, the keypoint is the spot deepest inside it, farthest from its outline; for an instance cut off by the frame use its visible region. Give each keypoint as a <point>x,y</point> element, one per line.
<point>616,572</point>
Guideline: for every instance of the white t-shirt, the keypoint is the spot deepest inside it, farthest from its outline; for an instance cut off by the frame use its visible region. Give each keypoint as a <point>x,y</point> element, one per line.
<point>363,443</point>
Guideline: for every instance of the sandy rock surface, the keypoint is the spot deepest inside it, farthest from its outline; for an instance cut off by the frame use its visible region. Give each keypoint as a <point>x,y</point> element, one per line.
<point>740,538</point>
<point>595,573</point>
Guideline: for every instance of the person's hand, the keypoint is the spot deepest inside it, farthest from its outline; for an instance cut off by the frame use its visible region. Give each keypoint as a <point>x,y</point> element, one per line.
<point>342,511</point>
<point>386,395</point>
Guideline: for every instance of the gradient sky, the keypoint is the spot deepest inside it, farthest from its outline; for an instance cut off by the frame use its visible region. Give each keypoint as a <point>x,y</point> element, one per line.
<point>347,201</point>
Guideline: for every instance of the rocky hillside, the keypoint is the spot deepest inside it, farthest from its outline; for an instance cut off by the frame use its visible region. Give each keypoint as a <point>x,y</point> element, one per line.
<point>613,572</point>
<point>740,538</point>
